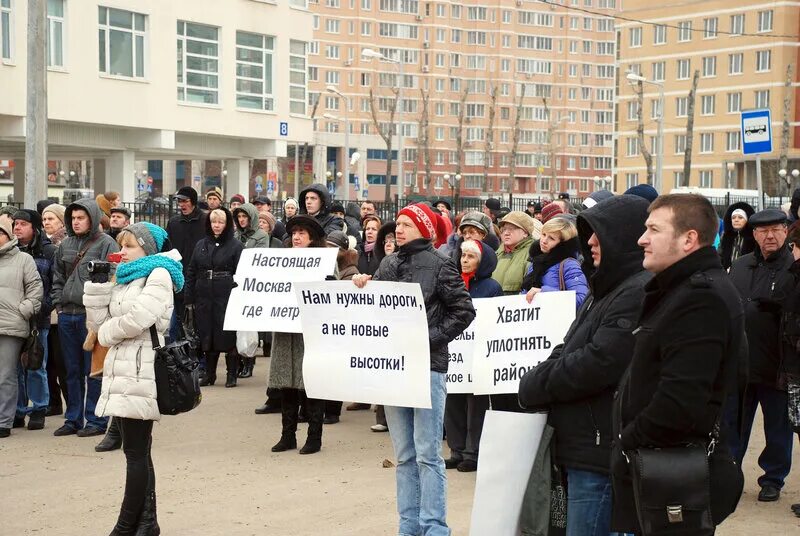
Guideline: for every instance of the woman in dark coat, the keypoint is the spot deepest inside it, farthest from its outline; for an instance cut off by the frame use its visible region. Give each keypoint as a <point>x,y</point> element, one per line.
<point>368,260</point>
<point>737,235</point>
<point>286,367</point>
<point>209,281</point>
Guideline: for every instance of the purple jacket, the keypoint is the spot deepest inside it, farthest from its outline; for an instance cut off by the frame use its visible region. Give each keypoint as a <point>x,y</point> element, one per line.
<point>574,279</point>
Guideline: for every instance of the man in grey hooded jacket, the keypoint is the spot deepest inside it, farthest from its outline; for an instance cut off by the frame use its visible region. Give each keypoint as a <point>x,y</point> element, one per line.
<point>85,242</point>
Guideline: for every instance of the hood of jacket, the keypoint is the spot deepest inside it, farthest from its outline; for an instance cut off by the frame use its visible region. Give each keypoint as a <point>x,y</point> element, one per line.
<point>9,248</point>
<point>91,207</point>
<point>387,228</point>
<point>252,213</point>
<point>353,211</point>
<point>488,263</point>
<point>227,233</point>
<point>726,220</point>
<point>323,194</point>
<point>618,222</point>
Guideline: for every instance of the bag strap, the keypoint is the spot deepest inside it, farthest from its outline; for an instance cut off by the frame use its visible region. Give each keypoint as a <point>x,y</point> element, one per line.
<point>81,253</point>
<point>154,337</point>
<point>562,284</point>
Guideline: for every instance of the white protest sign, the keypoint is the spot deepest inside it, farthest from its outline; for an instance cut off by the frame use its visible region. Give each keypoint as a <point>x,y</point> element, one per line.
<point>508,448</point>
<point>461,349</point>
<point>513,336</point>
<point>264,299</point>
<point>369,345</point>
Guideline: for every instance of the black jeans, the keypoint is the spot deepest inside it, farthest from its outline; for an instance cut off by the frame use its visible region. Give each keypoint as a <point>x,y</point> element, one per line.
<point>56,371</point>
<point>140,478</point>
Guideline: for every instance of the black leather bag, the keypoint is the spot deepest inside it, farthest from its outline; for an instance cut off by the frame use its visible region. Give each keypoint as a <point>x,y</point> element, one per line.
<point>672,490</point>
<point>177,375</point>
<point>32,355</point>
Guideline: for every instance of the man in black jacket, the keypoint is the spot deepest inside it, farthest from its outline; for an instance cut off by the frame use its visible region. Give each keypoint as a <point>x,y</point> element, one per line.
<point>763,280</point>
<point>685,360</point>
<point>417,433</point>
<point>185,231</point>
<point>316,201</point>
<point>576,384</point>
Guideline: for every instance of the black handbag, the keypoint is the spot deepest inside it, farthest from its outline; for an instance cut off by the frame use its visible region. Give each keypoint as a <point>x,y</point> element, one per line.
<point>32,355</point>
<point>177,376</point>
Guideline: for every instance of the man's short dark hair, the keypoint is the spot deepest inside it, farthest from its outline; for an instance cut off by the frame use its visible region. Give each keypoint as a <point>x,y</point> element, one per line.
<point>690,212</point>
<point>368,202</point>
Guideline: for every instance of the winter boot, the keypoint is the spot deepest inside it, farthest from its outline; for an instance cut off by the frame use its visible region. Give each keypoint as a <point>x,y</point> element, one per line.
<point>148,523</point>
<point>288,439</point>
<point>112,440</point>
<point>36,420</point>
<point>232,366</point>
<point>314,410</point>
<point>247,368</point>
<point>211,369</point>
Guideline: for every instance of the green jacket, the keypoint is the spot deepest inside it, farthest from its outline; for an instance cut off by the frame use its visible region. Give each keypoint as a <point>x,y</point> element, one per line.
<point>511,267</point>
<point>252,236</point>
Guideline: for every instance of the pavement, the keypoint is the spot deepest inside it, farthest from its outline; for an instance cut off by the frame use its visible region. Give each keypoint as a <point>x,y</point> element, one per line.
<point>215,475</point>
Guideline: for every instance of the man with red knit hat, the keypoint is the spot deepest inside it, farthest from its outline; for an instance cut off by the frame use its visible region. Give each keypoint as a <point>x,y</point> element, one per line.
<point>417,433</point>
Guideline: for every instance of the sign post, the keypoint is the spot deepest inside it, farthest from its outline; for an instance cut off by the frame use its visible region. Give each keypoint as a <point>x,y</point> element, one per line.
<point>757,139</point>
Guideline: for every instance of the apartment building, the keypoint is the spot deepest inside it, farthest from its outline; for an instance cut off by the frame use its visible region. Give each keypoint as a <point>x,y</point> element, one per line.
<point>166,85</point>
<point>742,50</point>
<point>454,54</point>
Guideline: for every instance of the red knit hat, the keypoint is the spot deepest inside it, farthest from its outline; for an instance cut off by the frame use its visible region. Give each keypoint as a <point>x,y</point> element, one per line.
<point>550,211</point>
<point>423,217</point>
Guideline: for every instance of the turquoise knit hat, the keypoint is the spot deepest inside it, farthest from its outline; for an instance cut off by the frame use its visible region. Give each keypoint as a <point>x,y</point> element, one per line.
<point>150,237</point>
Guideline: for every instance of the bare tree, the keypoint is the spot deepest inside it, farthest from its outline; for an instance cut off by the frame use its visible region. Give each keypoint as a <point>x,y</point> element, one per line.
<point>648,158</point>
<point>512,166</point>
<point>425,138</point>
<point>386,134</point>
<point>462,109</point>
<point>787,109</point>
<point>551,147</point>
<point>487,156</point>
<point>687,154</point>
<point>304,152</point>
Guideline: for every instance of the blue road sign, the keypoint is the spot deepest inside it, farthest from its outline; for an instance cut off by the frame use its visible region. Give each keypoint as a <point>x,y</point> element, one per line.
<point>259,187</point>
<point>756,132</point>
<point>149,187</point>
<point>284,130</point>
<point>270,186</point>
<point>140,187</point>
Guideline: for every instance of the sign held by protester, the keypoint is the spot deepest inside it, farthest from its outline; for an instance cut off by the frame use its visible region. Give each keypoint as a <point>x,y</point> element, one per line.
<point>369,345</point>
<point>461,349</point>
<point>264,298</point>
<point>512,336</point>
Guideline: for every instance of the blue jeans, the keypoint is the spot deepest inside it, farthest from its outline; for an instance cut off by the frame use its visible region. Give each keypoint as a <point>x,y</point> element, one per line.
<point>588,504</point>
<point>33,384</point>
<point>421,481</point>
<point>78,362</point>
<point>776,458</point>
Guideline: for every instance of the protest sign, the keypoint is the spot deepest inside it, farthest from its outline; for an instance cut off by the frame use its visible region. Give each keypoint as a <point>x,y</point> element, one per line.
<point>508,447</point>
<point>368,345</point>
<point>461,349</point>
<point>513,336</point>
<point>264,299</point>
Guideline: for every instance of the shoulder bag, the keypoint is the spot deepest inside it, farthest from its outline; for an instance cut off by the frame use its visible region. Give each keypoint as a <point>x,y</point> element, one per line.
<point>177,376</point>
<point>32,355</point>
<point>562,283</point>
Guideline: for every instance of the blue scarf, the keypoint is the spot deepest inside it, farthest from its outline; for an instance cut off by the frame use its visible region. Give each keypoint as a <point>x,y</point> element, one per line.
<point>143,267</point>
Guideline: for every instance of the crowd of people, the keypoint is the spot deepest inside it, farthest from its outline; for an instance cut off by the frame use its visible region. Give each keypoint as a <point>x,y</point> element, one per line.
<point>685,324</point>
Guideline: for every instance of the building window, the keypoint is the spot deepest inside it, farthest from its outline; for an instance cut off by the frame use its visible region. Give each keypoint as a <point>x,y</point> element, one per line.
<point>332,26</point>
<point>684,31</point>
<point>303,4</point>
<point>659,34</point>
<point>55,33</point>
<point>763,61</point>
<point>734,103</point>
<point>680,143</point>
<point>254,71</point>
<point>332,52</point>
<point>366,29</point>
<point>737,24</point>
<point>297,80</point>
<point>631,180</point>
<point>658,71</point>
<point>735,63</point>
<point>706,178</point>
<point>684,69</point>
<point>708,105</point>
<point>765,21</point>
<point>707,142</point>
<point>762,99</point>
<point>635,37</point>
<point>710,28</point>
<point>5,29</point>
<point>332,78</point>
<point>681,106</point>
<point>678,178</point>
<point>122,42</point>
<point>632,147</point>
<point>709,66</point>
<point>732,141</point>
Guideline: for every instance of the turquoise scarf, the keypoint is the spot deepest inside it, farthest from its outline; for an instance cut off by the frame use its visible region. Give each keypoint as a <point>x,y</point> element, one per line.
<point>143,267</point>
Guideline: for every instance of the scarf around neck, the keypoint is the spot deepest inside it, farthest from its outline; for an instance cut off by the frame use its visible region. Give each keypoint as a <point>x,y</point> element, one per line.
<point>143,267</point>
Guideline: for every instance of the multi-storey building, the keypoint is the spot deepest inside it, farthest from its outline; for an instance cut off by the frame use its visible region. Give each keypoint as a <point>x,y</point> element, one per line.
<point>454,55</point>
<point>742,50</point>
<point>169,83</point>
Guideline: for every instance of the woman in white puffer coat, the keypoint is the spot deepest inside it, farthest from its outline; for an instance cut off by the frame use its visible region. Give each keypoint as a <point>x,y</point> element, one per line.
<point>122,312</point>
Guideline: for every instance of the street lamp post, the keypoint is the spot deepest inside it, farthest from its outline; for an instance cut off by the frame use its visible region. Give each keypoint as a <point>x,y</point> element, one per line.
<point>369,53</point>
<point>633,77</point>
<point>784,174</point>
<point>332,89</point>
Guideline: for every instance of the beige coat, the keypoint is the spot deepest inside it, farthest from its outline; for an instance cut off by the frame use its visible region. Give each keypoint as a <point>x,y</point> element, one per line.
<point>21,290</point>
<point>122,315</point>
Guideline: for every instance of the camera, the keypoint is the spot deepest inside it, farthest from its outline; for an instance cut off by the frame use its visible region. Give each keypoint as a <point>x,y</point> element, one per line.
<point>99,271</point>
